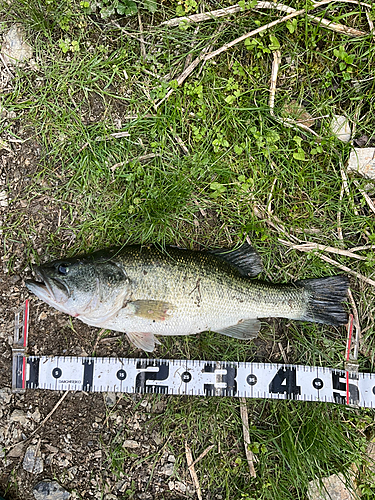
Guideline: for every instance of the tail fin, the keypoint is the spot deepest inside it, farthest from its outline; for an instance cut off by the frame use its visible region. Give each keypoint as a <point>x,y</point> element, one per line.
<point>325,299</point>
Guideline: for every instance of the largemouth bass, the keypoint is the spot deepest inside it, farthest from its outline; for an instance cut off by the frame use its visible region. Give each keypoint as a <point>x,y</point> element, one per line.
<point>146,291</point>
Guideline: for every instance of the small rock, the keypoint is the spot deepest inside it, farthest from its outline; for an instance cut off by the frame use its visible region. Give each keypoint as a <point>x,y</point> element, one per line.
<point>110,496</point>
<point>179,486</point>
<point>158,439</point>
<point>110,399</point>
<point>32,462</point>
<point>171,458</point>
<point>36,415</point>
<point>51,448</point>
<point>167,470</point>
<point>13,279</point>
<point>171,485</point>
<point>340,127</point>
<point>130,443</point>
<point>5,396</point>
<point>332,488</point>
<point>14,47</point>
<point>362,161</point>
<point>50,490</point>
<point>145,496</point>
<point>18,416</point>
<point>62,462</point>
<point>16,451</point>
<point>97,454</point>
<point>72,472</point>
<point>121,486</point>
<point>42,316</point>
<point>3,196</point>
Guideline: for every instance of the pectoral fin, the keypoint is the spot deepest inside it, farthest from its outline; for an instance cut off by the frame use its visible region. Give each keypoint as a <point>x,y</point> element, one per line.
<point>247,329</point>
<point>156,310</point>
<point>145,341</point>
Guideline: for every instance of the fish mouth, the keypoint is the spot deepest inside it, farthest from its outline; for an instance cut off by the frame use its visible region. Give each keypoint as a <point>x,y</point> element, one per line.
<point>50,290</point>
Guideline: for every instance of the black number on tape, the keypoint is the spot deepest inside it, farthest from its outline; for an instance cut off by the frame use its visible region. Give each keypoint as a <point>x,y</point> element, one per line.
<point>186,377</point>
<point>121,374</point>
<point>285,382</point>
<point>161,374</point>
<point>56,373</point>
<point>33,380</point>
<point>318,383</point>
<point>341,386</point>
<point>223,384</point>
<point>251,379</point>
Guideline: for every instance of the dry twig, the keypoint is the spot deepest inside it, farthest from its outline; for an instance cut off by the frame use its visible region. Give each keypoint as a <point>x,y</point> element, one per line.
<point>346,188</point>
<point>325,23</point>
<point>203,454</point>
<point>44,421</point>
<point>370,23</point>
<point>141,38</point>
<point>206,16</point>
<point>246,437</point>
<point>190,55</point>
<point>283,353</point>
<point>6,65</point>
<point>261,213</point>
<point>269,200</point>
<point>194,477</point>
<point>306,247</point>
<point>228,45</point>
<point>98,339</point>
<point>285,121</point>
<point>334,263</point>
<point>366,197</point>
<point>130,35</point>
<point>274,72</point>
<point>359,340</point>
<point>180,142</point>
<point>339,228</point>
<point>354,2</point>
<point>364,247</point>
<point>205,55</point>
<point>216,14</point>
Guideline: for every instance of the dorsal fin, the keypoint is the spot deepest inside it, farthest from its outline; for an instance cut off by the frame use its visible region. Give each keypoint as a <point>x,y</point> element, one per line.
<point>244,258</point>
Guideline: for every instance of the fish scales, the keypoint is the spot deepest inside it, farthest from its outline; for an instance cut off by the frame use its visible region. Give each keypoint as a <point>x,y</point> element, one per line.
<point>146,291</point>
<point>200,286</point>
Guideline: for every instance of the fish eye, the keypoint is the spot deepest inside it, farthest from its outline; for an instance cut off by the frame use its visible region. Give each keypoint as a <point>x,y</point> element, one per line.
<point>63,269</point>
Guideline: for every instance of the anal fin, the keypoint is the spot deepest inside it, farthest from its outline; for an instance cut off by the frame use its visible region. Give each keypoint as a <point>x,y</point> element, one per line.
<point>145,341</point>
<point>246,329</point>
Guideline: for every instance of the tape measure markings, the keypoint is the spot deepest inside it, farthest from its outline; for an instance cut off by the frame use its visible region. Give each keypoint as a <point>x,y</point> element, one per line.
<point>199,378</point>
<point>190,377</point>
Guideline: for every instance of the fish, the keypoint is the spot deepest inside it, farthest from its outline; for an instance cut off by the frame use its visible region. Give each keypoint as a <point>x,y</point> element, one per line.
<point>147,291</point>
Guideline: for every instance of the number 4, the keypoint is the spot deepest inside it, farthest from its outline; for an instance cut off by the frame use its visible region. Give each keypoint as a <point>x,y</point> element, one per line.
<point>285,381</point>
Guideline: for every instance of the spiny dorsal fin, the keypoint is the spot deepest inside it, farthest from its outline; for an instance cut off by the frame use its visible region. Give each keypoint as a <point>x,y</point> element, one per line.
<point>244,258</point>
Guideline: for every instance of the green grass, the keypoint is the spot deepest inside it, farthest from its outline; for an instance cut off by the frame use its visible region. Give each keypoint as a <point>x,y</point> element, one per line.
<point>237,155</point>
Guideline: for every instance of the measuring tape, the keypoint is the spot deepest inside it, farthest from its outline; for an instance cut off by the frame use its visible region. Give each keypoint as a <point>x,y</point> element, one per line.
<point>190,377</point>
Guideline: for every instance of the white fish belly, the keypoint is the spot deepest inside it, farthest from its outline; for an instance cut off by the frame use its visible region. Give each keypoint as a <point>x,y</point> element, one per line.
<point>201,310</point>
